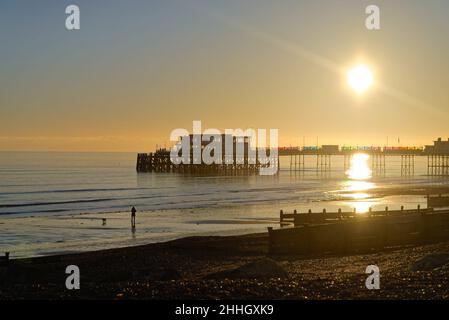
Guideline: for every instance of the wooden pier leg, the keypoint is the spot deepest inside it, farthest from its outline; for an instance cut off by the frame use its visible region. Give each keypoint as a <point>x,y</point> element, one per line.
<point>402,165</point>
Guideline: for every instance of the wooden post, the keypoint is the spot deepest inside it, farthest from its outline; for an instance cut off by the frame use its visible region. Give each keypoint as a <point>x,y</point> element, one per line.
<point>281,217</point>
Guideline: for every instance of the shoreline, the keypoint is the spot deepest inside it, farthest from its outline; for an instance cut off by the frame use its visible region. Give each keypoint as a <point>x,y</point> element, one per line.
<point>374,192</point>
<point>203,267</point>
<point>81,232</point>
<point>32,236</point>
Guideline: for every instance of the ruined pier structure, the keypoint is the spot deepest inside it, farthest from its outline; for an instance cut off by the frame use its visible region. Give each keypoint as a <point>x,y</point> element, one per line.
<point>238,158</point>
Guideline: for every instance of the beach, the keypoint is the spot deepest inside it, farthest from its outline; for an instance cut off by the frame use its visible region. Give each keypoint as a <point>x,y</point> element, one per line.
<point>205,268</point>
<point>195,237</point>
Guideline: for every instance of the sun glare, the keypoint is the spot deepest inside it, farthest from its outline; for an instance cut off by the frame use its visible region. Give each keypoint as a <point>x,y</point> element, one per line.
<point>359,169</point>
<point>360,78</point>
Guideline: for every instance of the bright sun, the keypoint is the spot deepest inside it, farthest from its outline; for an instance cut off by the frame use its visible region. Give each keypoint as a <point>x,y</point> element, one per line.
<point>360,78</point>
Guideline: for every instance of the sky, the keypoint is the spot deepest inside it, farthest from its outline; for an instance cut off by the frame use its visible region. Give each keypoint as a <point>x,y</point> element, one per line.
<point>138,69</point>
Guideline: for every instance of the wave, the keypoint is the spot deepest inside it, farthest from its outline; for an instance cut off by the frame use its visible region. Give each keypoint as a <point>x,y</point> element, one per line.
<point>53,203</point>
<point>31,213</point>
<point>79,190</point>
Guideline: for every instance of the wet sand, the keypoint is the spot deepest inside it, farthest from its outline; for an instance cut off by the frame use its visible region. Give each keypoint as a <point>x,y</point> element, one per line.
<point>195,268</point>
<point>48,235</point>
<point>411,190</point>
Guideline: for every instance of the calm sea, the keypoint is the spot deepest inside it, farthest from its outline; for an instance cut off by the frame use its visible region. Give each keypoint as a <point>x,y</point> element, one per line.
<point>56,183</point>
<point>49,187</point>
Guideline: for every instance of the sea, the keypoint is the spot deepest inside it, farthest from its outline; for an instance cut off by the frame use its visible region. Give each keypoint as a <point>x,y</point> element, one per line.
<point>63,202</point>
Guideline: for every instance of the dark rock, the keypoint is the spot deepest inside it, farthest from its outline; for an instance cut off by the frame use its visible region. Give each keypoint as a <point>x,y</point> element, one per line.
<point>262,268</point>
<point>430,262</point>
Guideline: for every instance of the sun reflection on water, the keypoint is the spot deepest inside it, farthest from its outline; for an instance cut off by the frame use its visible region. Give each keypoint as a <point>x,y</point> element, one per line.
<point>357,187</point>
<point>359,169</point>
<point>363,206</point>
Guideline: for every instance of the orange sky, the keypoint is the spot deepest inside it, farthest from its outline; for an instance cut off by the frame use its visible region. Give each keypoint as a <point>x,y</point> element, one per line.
<point>125,86</point>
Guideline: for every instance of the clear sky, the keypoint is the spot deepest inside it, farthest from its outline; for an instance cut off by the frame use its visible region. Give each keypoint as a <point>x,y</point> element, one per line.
<point>138,69</point>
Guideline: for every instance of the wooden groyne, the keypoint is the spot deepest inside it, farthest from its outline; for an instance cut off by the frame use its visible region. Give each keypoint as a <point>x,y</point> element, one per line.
<point>345,232</point>
<point>299,219</point>
<point>438,201</point>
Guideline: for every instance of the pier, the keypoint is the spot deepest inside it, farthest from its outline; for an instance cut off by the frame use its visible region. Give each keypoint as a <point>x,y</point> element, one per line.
<point>323,156</point>
<point>159,161</point>
<point>437,157</point>
<point>230,155</point>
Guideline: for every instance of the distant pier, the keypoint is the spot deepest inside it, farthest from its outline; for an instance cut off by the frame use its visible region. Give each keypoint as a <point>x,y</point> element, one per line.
<point>437,157</point>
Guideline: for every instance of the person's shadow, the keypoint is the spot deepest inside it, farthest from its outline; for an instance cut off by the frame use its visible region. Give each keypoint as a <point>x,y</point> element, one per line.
<point>133,233</point>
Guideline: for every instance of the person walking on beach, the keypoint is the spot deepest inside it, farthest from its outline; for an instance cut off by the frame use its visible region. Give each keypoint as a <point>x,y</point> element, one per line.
<point>133,218</point>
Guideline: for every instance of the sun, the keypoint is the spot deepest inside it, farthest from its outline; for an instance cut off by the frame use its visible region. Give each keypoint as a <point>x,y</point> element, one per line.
<point>360,78</point>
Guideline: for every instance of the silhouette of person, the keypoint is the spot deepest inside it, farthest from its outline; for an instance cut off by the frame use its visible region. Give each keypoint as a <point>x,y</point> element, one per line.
<point>133,217</point>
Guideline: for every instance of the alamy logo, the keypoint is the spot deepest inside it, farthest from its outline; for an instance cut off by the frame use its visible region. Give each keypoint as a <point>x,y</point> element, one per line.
<point>372,22</point>
<point>373,280</point>
<point>73,280</point>
<point>72,22</point>
<point>235,146</point>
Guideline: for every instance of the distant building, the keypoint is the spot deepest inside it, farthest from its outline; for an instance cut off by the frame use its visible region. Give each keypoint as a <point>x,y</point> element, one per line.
<point>439,147</point>
<point>237,144</point>
<point>329,148</point>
